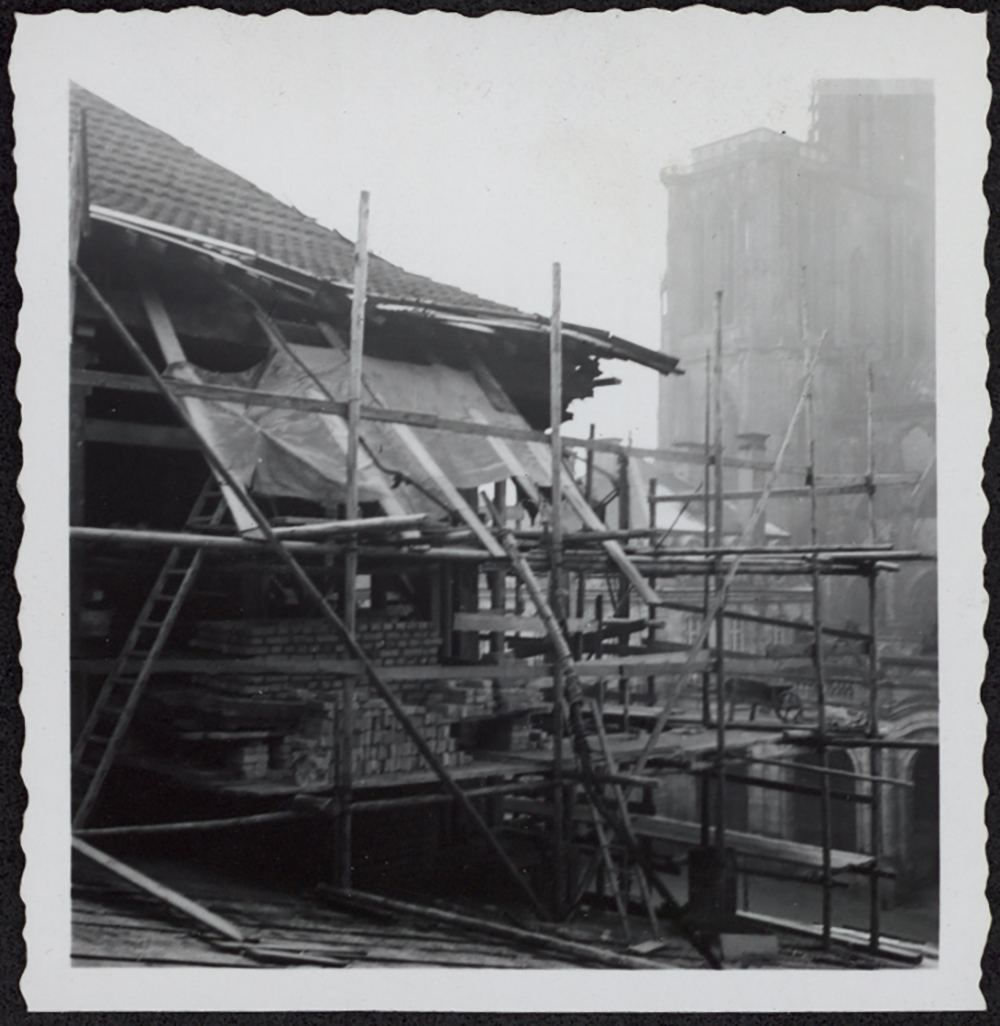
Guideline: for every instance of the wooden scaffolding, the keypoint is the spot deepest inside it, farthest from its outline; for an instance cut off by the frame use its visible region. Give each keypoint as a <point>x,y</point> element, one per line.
<point>590,794</point>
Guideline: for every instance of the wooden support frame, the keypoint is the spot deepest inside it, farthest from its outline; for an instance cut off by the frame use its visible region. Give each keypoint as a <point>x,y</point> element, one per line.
<point>430,421</point>
<point>557,595</point>
<point>818,558</point>
<point>166,894</point>
<point>720,597</point>
<point>345,739</point>
<point>582,749</point>
<point>316,597</point>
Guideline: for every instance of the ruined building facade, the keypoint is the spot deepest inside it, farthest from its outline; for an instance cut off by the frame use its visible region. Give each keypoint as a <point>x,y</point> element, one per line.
<point>832,239</point>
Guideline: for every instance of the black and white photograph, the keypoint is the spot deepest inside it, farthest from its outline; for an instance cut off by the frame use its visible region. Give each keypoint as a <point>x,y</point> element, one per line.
<point>482,510</point>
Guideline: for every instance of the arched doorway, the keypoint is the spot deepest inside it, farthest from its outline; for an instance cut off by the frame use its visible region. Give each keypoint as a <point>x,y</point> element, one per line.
<point>806,814</point>
<point>925,818</point>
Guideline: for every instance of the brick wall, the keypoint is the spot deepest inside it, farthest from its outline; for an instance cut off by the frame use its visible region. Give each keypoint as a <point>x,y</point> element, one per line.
<point>308,752</point>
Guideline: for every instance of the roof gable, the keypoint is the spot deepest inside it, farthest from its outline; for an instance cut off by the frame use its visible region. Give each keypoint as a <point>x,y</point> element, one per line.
<point>140,171</point>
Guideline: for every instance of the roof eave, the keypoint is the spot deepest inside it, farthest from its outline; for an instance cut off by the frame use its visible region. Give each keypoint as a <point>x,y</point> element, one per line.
<point>606,345</point>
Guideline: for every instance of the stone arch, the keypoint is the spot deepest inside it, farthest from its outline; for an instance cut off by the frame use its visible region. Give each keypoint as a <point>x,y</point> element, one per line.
<point>920,603</point>
<point>806,815</point>
<point>910,822</point>
<point>925,818</point>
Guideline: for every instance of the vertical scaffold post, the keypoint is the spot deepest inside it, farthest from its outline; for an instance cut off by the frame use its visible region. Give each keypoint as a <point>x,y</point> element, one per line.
<point>720,634</point>
<point>706,679</point>
<point>346,724</point>
<point>876,762</point>
<point>588,494</point>
<point>498,578</point>
<point>651,681</point>
<point>556,591</point>
<point>818,664</point>
<point>875,757</point>
<point>622,607</point>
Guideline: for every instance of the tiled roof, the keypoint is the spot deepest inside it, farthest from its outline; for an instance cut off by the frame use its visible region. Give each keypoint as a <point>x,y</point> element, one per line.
<point>138,170</point>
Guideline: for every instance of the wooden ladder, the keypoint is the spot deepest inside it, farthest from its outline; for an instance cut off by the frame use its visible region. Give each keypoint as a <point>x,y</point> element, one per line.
<point>109,720</point>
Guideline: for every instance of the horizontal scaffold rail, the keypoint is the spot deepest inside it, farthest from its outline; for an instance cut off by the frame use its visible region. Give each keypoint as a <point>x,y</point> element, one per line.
<point>622,666</point>
<point>233,543</point>
<point>688,834</point>
<point>860,488</point>
<point>430,421</point>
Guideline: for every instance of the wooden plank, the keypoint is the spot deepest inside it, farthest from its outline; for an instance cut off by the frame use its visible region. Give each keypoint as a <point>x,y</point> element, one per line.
<point>158,890</point>
<point>351,526</point>
<point>487,621</point>
<point>575,949</point>
<point>155,436</point>
<point>858,940</point>
<point>198,417</point>
<point>181,827</point>
<point>776,493</point>
<point>632,667</point>
<point>682,832</point>
<point>582,509</point>
<point>130,536</point>
<point>509,458</point>
<point>163,329</point>
<point>420,452</point>
<point>251,397</point>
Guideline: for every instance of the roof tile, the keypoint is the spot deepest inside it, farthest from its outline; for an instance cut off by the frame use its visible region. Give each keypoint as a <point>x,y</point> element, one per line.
<point>136,169</point>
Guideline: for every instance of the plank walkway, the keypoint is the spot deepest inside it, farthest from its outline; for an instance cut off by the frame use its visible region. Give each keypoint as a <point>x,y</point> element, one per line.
<point>115,925</point>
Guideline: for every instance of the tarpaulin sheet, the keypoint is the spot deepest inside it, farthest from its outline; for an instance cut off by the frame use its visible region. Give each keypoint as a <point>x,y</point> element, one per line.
<point>283,452</point>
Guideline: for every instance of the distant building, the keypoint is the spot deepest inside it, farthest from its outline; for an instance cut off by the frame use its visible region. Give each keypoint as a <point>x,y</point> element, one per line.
<point>835,237</point>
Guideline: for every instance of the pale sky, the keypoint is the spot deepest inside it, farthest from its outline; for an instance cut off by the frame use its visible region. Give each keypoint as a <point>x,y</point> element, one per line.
<point>492,147</point>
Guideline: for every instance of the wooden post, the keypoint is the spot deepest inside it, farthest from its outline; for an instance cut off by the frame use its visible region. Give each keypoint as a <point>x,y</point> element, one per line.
<point>651,681</point>
<point>498,578</point>
<point>77,510</point>
<point>622,609</point>
<point>498,598</point>
<point>354,400</point>
<point>165,894</point>
<point>588,495</point>
<point>870,478</point>
<point>556,584</point>
<point>77,417</point>
<point>720,623</point>
<point>342,854</point>
<point>706,679</point>
<point>875,766</point>
<point>622,804</point>
<point>588,479</point>
<point>817,587</point>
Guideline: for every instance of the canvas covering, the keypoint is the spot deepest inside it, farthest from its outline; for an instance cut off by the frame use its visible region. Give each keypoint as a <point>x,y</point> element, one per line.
<point>281,452</point>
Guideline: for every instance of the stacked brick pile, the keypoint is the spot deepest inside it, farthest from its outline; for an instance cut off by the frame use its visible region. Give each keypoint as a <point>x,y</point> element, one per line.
<point>308,752</point>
